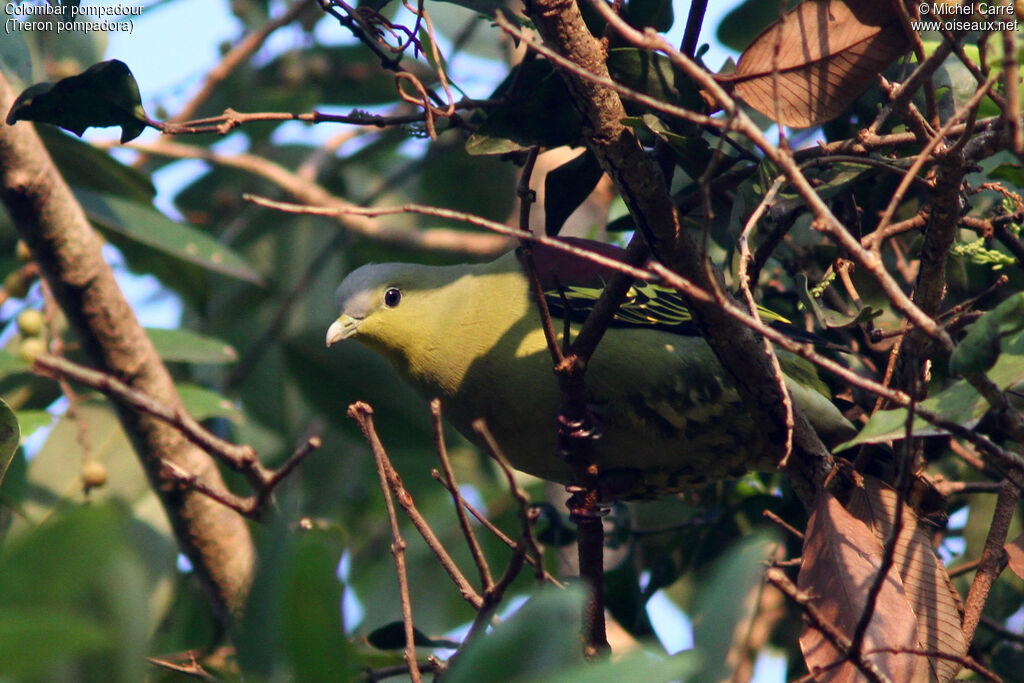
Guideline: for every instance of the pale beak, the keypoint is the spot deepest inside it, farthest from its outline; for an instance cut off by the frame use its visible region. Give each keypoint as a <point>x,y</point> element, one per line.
<point>342,328</point>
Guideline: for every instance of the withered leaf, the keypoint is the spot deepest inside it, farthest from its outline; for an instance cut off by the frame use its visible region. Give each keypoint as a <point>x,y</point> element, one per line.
<point>841,558</point>
<point>1015,555</point>
<point>932,596</point>
<point>821,55</point>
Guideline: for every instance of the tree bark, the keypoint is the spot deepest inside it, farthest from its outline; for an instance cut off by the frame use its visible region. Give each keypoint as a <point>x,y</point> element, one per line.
<point>50,220</point>
<point>640,183</point>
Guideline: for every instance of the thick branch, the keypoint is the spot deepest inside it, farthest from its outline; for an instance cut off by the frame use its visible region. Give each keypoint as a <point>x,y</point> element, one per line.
<point>640,182</point>
<point>52,223</point>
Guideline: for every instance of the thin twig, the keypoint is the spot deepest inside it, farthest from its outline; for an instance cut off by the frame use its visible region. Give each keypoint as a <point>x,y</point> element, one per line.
<point>778,578</point>
<point>363,415</point>
<point>439,212</point>
<point>498,533</point>
<point>993,558</point>
<point>460,504</point>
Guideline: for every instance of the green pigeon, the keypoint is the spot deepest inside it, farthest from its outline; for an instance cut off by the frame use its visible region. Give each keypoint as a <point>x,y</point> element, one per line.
<point>668,415</point>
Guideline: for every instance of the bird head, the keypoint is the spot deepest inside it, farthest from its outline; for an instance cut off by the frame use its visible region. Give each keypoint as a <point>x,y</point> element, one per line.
<point>370,301</point>
<point>390,306</point>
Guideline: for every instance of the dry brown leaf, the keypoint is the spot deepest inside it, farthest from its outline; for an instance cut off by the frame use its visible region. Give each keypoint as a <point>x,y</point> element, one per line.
<point>931,594</point>
<point>1015,555</point>
<point>841,558</point>
<point>823,53</point>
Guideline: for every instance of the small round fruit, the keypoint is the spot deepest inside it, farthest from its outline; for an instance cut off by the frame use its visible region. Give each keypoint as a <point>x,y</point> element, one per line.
<point>30,322</point>
<point>22,251</point>
<point>17,285</point>
<point>30,348</point>
<point>94,474</point>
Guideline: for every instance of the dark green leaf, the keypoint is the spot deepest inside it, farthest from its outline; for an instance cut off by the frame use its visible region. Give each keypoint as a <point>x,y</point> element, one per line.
<point>644,666</point>
<point>1011,173</point>
<point>960,403</point>
<point>77,568</point>
<point>84,165</point>
<point>202,403</point>
<point>568,186</point>
<point>105,94</point>
<point>28,638</point>
<point>980,349</point>
<point>392,637</point>
<point>10,437</point>
<point>692,152</point>
<point>185,346</point>
<point>726,601</point>
<point>828,319</point>
<point>539,114</point>
<point>741,25</point>
<point>311,612</point>
<point>654,13</point>
<point>144,224</point>
<point>652,74</point>
<point>542,634</point>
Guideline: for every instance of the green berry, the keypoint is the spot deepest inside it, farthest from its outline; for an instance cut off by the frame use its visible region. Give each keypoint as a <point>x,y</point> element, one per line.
<point>16,285</point>
<point>94,474</point>
<point>30,322</point>
<point>22,251</point>
<point>30,348</point>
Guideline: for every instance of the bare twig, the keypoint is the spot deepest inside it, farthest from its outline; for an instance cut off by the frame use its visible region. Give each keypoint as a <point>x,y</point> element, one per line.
<point>472,219</point>
<point>363,415</point>
<point>779,579</point>
<point>460,504</point>
<point>993,558</point>
<point>498,533</point>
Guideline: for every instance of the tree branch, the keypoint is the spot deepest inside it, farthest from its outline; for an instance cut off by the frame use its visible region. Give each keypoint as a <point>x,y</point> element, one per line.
<point>46,215</point>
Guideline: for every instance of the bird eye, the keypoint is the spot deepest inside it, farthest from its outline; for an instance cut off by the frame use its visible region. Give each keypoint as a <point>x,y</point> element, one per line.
<point>392,297</point>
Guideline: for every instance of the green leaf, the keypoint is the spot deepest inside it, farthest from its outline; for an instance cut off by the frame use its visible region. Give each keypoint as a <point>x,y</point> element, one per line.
<point>568,186</point>
<point>392,637</point>
<point>10,437</point>
<point>146,225</point>
<point>655,669</point>
<point>185,346</point>
<point>27,639</point>
<point>653,74</point>
<point>202,403</point>
<point>105,94</point>
<point>311,611</point>
<point>1011,173</point>
<point>980,349</point>
<point>959,403</point>
<point>76,568</point>
<point>84,165</point>
<point>654,13</point>
<point>691,151</point>
<point>543,634</point>
<point>828,319</point>
<point>726,601</point>
<point>293,616</point>
<point>539,114</point>
<point>32,420</point>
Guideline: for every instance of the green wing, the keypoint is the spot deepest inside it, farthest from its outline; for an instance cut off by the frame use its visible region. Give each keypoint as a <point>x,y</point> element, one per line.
<point>646,305</point>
